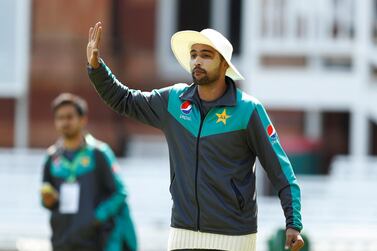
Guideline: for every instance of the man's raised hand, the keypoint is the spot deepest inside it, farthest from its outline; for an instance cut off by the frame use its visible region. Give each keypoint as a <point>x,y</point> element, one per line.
<point>92,50</point>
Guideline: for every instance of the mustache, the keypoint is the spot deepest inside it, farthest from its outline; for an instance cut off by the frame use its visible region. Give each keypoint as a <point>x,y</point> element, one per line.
<point>198,69</point>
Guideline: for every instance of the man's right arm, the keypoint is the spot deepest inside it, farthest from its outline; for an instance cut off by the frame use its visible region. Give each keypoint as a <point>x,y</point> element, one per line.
<point>147,107</point>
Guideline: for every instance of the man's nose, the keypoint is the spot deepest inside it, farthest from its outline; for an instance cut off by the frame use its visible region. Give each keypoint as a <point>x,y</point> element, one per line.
<point>197,61</point>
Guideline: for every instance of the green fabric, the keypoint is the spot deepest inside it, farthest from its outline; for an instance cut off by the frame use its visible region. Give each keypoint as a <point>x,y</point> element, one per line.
<point>115,206</point>
<point>306,162</point>
<point>189,121</point>
<point>227,119</point>
<point>82,163</point>
<point>286,167</point>
<point>124,230</point>
<point>111,206</point>
<point>218,120</point>
<point>277,241</point>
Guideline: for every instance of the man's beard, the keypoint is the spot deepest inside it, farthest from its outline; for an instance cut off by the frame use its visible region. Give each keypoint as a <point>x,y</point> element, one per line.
<point>204,80</point>
<point>69,135</point>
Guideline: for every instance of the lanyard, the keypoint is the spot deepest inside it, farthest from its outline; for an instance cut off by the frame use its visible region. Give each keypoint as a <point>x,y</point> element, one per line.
<point>73,165</point>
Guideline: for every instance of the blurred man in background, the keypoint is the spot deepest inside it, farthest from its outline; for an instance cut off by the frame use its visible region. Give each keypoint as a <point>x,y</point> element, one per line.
<point>214,132</point>
<point>81,186</point>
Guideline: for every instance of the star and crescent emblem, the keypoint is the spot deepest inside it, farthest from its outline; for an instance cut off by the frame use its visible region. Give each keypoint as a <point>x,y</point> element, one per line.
<point>85,161</point>
<point>222,117</point>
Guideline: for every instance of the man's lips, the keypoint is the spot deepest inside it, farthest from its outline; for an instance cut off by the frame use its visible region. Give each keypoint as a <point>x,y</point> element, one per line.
<point>198,71</point>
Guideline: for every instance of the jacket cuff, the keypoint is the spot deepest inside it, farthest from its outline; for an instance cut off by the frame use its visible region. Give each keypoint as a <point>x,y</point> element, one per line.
<point>93,71</point>
<point>297,228</point>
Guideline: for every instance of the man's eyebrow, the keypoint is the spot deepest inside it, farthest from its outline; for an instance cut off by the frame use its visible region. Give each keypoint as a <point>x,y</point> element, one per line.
<point>204,50</point>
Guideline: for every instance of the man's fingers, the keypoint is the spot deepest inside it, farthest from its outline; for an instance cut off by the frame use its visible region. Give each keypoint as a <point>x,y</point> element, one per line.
<point>288,241</point>
<point>98,38</point>
<point>298,244</point>
<point>93,45</point>
<point>96,28</point>
<point>90,34</point>
<point>94,32</point>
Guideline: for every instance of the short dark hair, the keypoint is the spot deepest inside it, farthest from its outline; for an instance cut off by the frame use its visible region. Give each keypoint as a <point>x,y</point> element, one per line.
<point>70,99</point>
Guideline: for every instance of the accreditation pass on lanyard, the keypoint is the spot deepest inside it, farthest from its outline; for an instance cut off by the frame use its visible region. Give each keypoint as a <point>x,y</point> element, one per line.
<point>69,198</point>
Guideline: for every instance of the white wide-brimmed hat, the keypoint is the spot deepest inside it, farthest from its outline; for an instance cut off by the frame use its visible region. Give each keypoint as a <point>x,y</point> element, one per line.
<point>182,41</point>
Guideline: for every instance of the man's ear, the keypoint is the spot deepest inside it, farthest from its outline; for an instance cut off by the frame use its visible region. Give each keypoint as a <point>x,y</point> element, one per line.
<point>84,121</point>
<point>223,62</point>
<point>226,65</point>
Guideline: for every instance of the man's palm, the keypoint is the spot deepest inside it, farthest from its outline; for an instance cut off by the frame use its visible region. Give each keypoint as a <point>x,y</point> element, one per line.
<point>92,50</point>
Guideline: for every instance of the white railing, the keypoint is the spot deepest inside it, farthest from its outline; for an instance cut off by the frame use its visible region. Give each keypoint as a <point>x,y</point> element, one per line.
<point>307,20</point>
<point>335,41</point>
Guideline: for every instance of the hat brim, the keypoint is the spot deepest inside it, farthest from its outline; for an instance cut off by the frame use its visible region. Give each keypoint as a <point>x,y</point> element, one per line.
<point>181,43</point>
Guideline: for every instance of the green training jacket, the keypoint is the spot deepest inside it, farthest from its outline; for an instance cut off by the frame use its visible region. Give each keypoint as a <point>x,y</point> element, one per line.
<point>212,157</point>
<point>103,221</point>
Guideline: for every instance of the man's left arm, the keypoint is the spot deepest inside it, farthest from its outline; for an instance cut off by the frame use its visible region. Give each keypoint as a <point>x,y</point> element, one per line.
<point>264,142</point>
<point>111,181</point>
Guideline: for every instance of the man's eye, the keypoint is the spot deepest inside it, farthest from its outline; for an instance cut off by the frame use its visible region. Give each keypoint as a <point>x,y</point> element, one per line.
<point>206,56</point>
<point>193,56</point>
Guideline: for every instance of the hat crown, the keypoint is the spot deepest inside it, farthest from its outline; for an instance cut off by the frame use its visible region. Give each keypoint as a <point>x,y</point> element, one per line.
<point>182,42</point>
<point>221,43</point>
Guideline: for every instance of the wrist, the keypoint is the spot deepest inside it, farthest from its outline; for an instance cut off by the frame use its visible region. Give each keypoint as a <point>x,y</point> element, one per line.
<point>95,65</point>
<point>293,228</point>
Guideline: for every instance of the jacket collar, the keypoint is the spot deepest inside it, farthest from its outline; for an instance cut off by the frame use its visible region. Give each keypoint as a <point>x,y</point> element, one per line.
<point>59,145</point>
<point>229,98</point>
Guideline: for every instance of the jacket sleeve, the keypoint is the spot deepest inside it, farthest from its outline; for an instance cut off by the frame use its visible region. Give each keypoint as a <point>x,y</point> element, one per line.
<point>46,177</point>
<point>111,183</point>
<point>147,107</point>
<point>264,142</point>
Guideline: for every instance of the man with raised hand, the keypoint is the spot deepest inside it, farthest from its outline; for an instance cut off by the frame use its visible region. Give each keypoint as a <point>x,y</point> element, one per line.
<point>214,132</point>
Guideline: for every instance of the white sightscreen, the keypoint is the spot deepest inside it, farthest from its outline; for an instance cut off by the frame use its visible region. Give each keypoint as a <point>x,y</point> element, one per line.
<point>14,43</point>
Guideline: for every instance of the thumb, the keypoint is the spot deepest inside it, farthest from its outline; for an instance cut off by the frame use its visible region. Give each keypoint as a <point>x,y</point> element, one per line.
<point>95,53</point>
<point>94,59</point>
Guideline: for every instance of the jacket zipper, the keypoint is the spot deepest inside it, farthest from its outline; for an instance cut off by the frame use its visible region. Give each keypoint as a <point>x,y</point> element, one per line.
<point>196,171</point>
